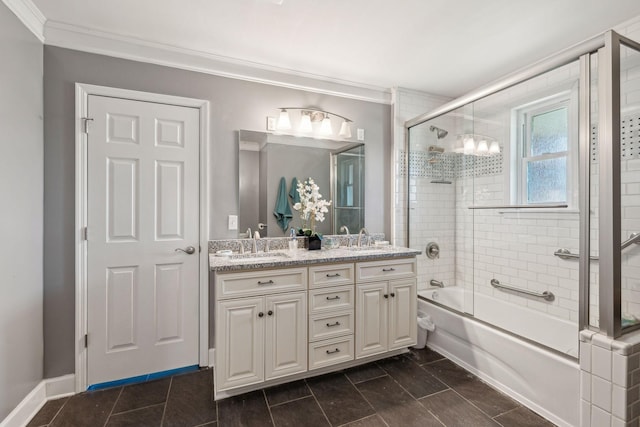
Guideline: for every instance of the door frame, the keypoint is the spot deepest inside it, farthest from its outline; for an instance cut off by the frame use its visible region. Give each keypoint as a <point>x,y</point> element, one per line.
<point>82,92</point>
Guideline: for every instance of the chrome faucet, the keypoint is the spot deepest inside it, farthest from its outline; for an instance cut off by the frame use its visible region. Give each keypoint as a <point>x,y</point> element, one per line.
<point>345,229</point>
<point>436,283</point>
<point>254,248</point>
<point>362,230</point>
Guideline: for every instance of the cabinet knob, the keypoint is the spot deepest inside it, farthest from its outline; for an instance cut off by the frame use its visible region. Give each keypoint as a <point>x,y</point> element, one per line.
<point>270,312</point>
<point>261,314</point>
<point>386,295</point>
<point>393,295</point>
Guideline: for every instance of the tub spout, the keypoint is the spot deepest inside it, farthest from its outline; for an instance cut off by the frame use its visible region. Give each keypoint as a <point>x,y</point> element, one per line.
<point>436,283</point>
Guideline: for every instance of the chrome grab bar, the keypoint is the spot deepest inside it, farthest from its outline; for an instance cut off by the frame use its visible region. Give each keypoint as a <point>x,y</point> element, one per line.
<point>546,295</point>
<point>566,253</point>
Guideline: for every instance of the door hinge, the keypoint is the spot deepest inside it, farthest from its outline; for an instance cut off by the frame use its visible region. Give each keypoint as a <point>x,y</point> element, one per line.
<point>85,124</point>
<point>86,340</point>
<point>85,233</point>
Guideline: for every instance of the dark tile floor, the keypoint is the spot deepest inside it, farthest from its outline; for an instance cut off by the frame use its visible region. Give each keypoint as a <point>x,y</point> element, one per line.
<point>420,388</point>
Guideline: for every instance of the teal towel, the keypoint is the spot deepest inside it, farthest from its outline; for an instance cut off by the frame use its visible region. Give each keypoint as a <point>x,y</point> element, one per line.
<point>293,193</point>
<point>282,211</point>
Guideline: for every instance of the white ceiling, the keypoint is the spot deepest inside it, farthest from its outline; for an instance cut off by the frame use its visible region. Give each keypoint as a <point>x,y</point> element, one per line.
<point>444,47</point>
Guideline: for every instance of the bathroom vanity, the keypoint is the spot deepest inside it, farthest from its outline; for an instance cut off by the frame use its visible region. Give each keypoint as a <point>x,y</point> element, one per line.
<point>287,315</point>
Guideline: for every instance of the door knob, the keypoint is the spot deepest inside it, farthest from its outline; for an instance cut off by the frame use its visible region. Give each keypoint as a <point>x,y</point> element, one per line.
<point>189,250</point>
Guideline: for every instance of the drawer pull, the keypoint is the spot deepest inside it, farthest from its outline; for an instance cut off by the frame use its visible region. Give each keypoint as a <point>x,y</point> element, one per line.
<point>330,325</point>
<point>333,298</point>
<point>268,282</point>
<point>333,275</point>
<point>337,350</point>
<point>389,269</point>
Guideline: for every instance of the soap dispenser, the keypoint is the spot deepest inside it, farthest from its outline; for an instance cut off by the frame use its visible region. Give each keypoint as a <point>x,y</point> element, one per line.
<point>293,242</point>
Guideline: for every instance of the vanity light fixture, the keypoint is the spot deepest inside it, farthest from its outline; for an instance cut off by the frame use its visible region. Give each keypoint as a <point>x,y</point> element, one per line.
<point>309,116</point>
<point>477,145</point>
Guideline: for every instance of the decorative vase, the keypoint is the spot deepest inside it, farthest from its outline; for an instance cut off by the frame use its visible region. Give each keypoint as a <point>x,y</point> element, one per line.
<point>315,243</point>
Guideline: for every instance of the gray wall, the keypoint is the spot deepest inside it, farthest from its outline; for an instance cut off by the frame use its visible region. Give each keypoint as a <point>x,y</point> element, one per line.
<point>235,105</point>
<point>21,348</point>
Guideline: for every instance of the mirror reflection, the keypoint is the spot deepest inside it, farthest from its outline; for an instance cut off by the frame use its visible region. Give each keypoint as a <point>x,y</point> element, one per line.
<point>266,160</point>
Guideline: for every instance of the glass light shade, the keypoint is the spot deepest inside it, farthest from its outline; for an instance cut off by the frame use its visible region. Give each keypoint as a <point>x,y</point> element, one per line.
<point>305,123</point>
<point>469,145</point>
<point>284,123</point>
<point>494,147</point>
<point>483,147</point>
<point>325,127</point>
<point>345,130</point>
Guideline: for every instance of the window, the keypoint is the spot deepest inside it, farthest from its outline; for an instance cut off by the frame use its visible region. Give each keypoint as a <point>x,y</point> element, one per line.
<point>543,152</point>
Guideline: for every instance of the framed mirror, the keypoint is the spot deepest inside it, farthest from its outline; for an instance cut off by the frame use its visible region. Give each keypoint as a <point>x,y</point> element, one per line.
<point>265,158</point>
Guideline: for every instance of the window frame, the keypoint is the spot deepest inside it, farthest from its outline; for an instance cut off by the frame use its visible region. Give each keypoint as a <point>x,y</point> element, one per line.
<point>521,143</point>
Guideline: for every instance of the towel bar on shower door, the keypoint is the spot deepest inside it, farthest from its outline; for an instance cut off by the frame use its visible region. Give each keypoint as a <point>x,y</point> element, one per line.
<point>566,253</point>
<point>546,295</point>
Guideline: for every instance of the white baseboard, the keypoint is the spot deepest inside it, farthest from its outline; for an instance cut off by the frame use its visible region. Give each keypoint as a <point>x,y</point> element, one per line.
<point>52,388</point>
<point>212,357</point>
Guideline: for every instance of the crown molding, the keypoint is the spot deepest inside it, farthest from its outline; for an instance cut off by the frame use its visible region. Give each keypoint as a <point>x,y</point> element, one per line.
<point>29,14</point>
<point>88,40</point>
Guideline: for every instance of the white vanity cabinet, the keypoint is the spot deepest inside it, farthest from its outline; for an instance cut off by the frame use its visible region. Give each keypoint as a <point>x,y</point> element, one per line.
<point>275,325</point>
<point>385,306</point>
<point>263,335</point>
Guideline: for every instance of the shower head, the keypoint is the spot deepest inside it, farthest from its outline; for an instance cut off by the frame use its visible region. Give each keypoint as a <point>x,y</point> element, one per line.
<point>440,133</point>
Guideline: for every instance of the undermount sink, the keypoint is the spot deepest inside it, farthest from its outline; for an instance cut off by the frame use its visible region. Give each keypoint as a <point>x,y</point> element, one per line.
<point>259,257</point>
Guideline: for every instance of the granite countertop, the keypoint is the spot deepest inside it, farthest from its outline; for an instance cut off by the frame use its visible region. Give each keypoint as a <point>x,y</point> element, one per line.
<point>286,258</point>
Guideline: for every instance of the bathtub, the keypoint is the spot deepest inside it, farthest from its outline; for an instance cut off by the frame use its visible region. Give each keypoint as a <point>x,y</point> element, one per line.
<point>538,377</point>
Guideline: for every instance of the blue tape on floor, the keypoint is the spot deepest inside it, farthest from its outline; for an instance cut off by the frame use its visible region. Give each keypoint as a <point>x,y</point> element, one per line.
<point>142,378</point>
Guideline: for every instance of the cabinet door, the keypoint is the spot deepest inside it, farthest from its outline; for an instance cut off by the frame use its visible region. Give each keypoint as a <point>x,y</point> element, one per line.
<point>402,313</point>
<point>285,334</point>
<point>371,319</point>
<point>239,342</point>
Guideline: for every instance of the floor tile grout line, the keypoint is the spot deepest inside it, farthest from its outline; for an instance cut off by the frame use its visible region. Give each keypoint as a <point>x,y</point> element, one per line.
<point>473,404</point>
<point>136,409</point>
<point>166,402</point>
<point>364,397</point>
<point>318,403</point>
<point>106,421</point>
<point>57,412</point>
<point>288,401</point>
<point>266,401</point>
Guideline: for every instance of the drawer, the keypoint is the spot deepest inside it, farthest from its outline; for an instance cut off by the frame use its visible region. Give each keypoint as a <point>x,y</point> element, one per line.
<point>386,270</point>
<point>330,352</point>
<point>260,282</point>
<point>330,275</point>
<point>331,299</point>
<point>330,325</point>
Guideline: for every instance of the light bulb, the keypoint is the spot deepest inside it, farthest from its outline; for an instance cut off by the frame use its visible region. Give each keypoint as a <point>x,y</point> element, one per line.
<point>283,120</point>
<point>494,147</point>
<point>469,145</point>
<point>305,123</point>
<point>483,147</point>
<point>345,130</point>
<point>325,127</point>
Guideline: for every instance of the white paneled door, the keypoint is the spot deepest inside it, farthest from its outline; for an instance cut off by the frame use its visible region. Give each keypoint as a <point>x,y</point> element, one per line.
<point>143,238</point>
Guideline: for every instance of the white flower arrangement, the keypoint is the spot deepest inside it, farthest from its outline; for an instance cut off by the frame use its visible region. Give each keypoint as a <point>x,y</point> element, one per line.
<point>311,206</point>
